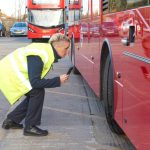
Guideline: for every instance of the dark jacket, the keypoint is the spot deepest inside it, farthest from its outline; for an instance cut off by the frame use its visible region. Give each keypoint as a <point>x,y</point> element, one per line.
<point>35,67</point>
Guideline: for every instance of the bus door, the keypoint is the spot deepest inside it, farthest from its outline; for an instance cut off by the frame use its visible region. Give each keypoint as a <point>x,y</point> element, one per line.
<point>135,30</point>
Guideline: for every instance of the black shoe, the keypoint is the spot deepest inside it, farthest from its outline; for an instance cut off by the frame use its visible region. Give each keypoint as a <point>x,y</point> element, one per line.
<point>9,124</point>
<point>35,131</point>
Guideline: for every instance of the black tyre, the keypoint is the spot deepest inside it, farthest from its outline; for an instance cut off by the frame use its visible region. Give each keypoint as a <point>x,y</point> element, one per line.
<point>108,96</point>
<point>33,40</point>
<point>75,71</point>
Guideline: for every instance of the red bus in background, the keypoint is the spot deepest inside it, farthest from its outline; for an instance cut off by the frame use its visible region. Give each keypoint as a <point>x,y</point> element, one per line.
<point>113,56</point>
<point>46,17</point>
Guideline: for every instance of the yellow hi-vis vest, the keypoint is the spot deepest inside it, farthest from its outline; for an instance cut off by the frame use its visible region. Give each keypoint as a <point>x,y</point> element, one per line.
<point>14,80</point>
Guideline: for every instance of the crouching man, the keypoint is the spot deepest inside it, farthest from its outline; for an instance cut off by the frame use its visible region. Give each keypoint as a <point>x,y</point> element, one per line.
<point>22,73</point>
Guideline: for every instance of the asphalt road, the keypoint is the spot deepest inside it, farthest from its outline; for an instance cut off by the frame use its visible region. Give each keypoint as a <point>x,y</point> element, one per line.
<point>72,113</point>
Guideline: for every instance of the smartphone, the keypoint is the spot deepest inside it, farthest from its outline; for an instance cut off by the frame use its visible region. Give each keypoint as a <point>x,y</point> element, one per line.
<point>69,70</point>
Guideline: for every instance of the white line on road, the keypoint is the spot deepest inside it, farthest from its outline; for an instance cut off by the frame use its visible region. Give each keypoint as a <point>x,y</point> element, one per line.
<point>74,113</point>
<point>68,94</point>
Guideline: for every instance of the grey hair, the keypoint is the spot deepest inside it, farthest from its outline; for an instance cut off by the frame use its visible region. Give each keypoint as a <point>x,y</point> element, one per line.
<point>59,37</point>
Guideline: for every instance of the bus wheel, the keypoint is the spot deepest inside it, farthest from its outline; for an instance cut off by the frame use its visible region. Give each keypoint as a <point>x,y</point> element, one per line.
<point>33,40</point>
<point>75,71</point>
<point>108,96</point>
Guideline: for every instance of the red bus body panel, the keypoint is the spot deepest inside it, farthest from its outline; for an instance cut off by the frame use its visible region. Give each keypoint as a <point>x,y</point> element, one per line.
<point>30,5</point>
<point>132,89</point>
<point>41,33</point>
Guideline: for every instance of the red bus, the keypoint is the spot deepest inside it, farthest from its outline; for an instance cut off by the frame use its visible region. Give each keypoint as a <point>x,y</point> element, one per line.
<point>113,56</point>
<point>46,17</point>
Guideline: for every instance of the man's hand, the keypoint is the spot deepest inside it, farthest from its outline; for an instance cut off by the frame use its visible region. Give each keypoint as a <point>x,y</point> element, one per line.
<point>63,78</point>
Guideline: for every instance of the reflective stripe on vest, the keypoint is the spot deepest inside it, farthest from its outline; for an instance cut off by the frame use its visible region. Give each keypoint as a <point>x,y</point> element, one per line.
<point>36,51</point>
<point>19,74</point>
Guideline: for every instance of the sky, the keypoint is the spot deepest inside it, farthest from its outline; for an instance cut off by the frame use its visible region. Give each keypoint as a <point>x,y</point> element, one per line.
<point>9,6</point>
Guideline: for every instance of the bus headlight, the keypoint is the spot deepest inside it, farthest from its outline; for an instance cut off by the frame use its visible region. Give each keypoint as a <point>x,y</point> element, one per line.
<point>31,30</point>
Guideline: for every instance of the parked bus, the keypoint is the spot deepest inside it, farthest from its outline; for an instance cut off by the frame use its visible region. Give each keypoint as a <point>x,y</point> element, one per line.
<point>113,56</point>
<point>46,17</point>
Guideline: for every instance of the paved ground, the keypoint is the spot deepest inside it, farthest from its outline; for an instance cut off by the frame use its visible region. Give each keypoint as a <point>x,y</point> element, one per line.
<point>72,113</point>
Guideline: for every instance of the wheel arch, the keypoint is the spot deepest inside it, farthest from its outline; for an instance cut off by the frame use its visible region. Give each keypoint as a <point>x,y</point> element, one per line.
<point>107,86</point>
<point>106,50</point>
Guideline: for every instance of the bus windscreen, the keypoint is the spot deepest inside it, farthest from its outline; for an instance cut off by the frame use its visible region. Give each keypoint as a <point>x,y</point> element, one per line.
<point>45,17</point>
<point>40,2</point>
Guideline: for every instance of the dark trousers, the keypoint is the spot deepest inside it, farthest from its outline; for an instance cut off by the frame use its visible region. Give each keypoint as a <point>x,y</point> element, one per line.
<point>30,108</point>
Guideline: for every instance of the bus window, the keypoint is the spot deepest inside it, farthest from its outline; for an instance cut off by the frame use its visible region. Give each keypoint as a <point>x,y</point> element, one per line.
<point>137,3</point>
<point>74,1</point>
<point>117,5</point>
<point>85,9</point>
<point>77,15</point>
<point>120,5</point>
<point>41,17</point>
<point>95,8</point>
<point>71,17</point>
<point>56,2</point>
